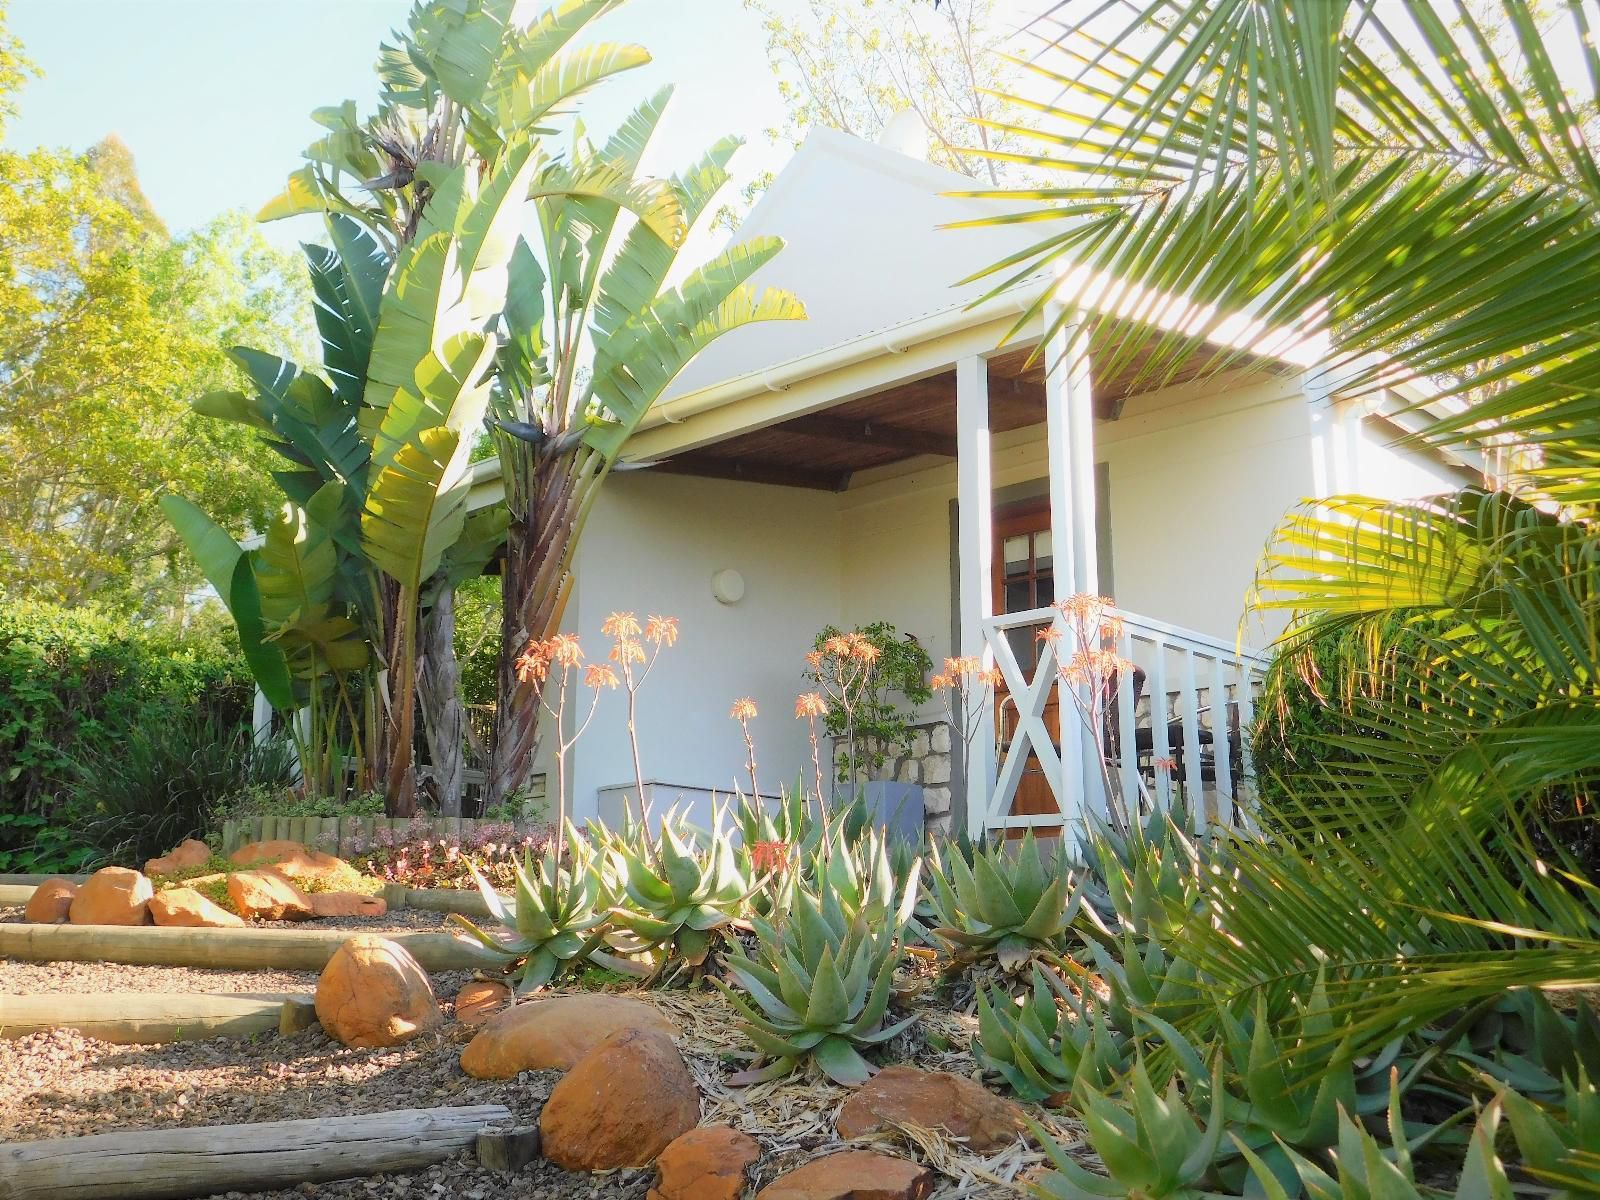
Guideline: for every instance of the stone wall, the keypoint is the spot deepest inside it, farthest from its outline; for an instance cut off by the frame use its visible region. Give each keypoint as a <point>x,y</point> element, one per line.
<point>927,762</point>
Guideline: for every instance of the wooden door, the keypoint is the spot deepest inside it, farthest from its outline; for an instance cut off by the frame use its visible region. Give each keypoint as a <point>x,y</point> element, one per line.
<point>1024,579</point>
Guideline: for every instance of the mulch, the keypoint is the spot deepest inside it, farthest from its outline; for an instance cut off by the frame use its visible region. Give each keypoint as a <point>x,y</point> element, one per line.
<point>62,1084</point>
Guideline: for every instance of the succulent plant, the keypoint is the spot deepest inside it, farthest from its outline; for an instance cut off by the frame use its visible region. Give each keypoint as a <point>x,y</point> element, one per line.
<point>682,901</point>
<point>1010,908</point>
<point>1559,1144</point>
<point>1152,1145</point>
<point>1053,1041</point>
<point>1147,877</point>
<point>555,919</point>
<point>820,988</point>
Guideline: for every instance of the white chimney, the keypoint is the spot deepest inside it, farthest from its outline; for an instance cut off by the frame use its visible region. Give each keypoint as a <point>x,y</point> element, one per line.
<point>904,133</point>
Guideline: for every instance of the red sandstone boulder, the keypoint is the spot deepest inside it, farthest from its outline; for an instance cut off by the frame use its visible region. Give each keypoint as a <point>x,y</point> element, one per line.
<point>938,1100</point>
<point>288,858</point>
<point>267,896</point>
<point>51,902</point>
<point>708,1163</point>
<point>347,904</point>
<point>113,896</point>
<point>189,909</point>
<point>554,1034</point>
<point>479,1000</point>
<point>187,854</point>
<point>373,993</point>
<point>852,1175</point>
<point>621,1105</point>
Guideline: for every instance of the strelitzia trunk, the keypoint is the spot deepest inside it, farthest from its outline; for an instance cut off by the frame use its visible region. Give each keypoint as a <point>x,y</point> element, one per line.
<point>444,717</point>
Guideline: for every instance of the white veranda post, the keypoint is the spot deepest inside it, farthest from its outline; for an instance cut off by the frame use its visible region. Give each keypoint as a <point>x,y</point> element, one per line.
<point>974,546</point>
<point>1069,428</point>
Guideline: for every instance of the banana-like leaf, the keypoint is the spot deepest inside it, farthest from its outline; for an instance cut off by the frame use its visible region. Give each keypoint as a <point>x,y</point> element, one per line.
<point>229,570</point>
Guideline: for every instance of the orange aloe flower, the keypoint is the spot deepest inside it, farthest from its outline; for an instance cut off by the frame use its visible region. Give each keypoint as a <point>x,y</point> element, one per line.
<point>533,664</point>
<point>769,856</point>
<point>600,675</point>
<point>663,631</point>
<point>810,705</point>
<point>563,650</point>
<point>743,709</point>
<point>627,651</point>
<point>621,625</point>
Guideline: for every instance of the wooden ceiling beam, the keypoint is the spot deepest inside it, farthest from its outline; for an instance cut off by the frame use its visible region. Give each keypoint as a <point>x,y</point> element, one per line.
<point>871,433</point>
<point>755,470</point>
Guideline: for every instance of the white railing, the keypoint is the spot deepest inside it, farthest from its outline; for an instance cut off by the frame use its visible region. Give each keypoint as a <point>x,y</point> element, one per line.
<point>1174,716</point>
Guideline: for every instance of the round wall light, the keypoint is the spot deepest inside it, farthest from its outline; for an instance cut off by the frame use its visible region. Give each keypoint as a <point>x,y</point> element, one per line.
<point>727,586</point>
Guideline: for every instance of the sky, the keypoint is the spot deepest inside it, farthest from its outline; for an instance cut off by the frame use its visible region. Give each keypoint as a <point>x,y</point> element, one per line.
<point>213,96</point>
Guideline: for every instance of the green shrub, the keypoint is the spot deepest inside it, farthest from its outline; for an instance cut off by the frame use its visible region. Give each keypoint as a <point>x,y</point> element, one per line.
<point>162,781</point>
<point>74,683</point>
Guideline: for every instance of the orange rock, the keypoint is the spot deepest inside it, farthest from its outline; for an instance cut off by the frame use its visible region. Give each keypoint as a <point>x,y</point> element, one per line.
<point>190,909</point>
<point>708,1163</point>
<point>622,1104</point>
<point>113,896</point>
<point>479,1000</point>
<point>347,904</point>
<point>267,896</point>
<point>51,902</point>
<point>554,1034</point>
<point>934,1100</point>
<point>373,993</point>
<point>289,858</point>
<point>188,853</point>
<point>852,1175</point>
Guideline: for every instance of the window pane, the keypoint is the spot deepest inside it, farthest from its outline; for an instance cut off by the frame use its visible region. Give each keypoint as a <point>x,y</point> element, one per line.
<point>1019,596</point>
<point>1044,589</point>
<point>1016,555</point>
<point>1042,549</point>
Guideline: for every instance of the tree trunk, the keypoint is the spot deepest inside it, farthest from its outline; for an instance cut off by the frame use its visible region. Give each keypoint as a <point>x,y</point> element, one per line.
<point>399,703</point>
<point>444,717</point>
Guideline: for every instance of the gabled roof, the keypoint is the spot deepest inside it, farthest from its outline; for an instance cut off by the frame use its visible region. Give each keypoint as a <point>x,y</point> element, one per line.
<point>863,250</point>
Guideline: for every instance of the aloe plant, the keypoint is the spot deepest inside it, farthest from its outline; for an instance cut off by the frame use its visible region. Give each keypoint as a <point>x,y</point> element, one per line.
<point>677,899</point>
<point>556,918</point>
<point>1152,1145</point>
<point>1054,1041</point>
<point>820,989</point>
<point>1009,908</point>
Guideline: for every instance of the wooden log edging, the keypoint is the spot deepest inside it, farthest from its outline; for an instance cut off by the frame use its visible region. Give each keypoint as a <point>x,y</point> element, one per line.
<point>36,880</point>
<point>229,949</point>
<point>15,895</point>
<point>177,1164</point>
<point>444,900</point>
<point>153,1018</point>
<point>342,835</point>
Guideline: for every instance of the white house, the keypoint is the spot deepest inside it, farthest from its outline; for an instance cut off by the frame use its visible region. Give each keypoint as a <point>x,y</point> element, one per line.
<point>889,459</point>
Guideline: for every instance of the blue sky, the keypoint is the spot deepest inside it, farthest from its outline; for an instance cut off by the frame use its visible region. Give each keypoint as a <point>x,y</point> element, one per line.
<point>213,96</point>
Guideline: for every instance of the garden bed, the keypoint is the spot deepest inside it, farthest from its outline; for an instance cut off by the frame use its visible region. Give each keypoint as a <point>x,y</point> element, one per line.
<point>63,1084</point>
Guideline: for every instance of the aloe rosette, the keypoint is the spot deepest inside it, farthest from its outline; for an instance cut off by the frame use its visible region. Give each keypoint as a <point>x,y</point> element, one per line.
<point>820,990</point>
<point>1011,908</point>
<point>556,917</point>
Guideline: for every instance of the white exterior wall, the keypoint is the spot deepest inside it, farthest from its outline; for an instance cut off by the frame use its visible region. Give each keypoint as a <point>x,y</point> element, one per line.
<point>652,545</point>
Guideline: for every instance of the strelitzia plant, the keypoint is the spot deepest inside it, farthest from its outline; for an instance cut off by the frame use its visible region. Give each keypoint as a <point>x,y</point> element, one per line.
<point>682,902</point>
<point>820,990</point>
<point>1008,908</point>
<point>557,916</point>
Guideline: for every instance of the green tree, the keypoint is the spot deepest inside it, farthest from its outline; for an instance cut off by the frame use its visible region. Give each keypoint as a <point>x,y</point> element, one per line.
<point>107,325</point>
<point>1424,192</point>
<point>851,65</point>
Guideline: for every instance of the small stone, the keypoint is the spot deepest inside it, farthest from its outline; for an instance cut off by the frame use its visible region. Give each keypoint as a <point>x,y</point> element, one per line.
<point>621,1105</point>
<point>919,743</point>
<point>189,853</point>
<point>910,772</point>
<point>935,801</point>
<point>554,1034</point>
<point>939,738</point>
<point>953,1104</point>
<point>708,1163</point>
<point>267,896</point>
<point>51,902</point>
<point>479,1000</point>
<point>189,909</point>
<point>373,993</point>
<point>113,896</point>
<point>852,1175</point>
<point>347,904</point>
<point>936,768</point>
